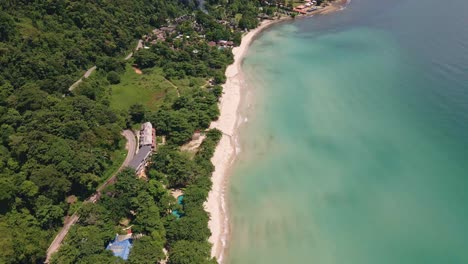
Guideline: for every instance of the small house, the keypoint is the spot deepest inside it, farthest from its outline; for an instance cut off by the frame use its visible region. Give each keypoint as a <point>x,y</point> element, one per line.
<point>212,44</point>
<point>121,246</point>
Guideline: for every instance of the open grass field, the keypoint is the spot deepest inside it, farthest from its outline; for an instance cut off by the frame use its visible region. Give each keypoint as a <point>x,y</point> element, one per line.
<point>183,85</point>
<point>149,89</point>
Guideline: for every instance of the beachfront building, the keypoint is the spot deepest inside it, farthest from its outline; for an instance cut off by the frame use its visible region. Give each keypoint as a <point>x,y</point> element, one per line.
<point>147,144</point>
<point>212,44</point>
<point>141,159</point>
<point>146,135</point>
<point>225,43</point>
<point>121,245</point>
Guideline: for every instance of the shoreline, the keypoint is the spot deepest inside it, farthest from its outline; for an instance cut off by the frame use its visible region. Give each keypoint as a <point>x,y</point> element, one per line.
<point>226,152</point>
<point>228,123</point>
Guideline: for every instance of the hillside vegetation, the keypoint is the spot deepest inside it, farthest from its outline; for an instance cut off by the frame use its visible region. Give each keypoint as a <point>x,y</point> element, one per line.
<point>54,147</point>
<point>57,146</point>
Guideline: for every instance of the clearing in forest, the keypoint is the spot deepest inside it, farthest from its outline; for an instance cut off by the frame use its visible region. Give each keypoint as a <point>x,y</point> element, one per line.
<point>149,89</point>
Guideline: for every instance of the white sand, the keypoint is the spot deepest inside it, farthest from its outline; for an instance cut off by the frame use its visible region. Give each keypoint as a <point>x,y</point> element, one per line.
<point>226,150</point>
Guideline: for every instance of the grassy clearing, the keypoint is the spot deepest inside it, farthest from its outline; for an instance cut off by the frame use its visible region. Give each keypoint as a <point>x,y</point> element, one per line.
<point>238,17</point>
<point>186,84</point>
<point>149,89</point>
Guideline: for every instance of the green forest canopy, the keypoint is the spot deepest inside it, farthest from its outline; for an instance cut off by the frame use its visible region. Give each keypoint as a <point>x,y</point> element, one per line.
<point>55,148</point>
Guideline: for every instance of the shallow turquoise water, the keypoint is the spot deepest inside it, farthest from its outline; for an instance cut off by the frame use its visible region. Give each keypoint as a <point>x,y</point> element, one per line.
<point>357,144</point>
<point>180,200</point>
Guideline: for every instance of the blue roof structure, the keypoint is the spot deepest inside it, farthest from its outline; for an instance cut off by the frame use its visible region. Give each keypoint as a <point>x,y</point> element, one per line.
<point>120,247</point>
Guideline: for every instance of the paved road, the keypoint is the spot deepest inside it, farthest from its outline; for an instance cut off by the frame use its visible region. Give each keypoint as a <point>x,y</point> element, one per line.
<point>86,75</point>
<point>92,69</point>
<point>139,46</point>
<point>131,148</point>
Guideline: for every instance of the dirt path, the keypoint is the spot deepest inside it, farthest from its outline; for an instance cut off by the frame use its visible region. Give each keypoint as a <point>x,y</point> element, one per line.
<point>173,85</point>
<point>137,71</point>
<point>208,83</point>
<point>131,149</point>
<point>194,144</point>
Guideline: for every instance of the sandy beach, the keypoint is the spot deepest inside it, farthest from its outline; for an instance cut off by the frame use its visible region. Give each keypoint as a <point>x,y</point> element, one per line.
<point>225,152</point>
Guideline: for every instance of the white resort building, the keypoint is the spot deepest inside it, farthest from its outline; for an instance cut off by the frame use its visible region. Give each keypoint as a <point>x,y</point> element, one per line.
<point>147,144</point>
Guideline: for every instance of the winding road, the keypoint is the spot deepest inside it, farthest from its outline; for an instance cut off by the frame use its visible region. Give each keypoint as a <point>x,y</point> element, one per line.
<point>70,221</point>
<point>85,76</point>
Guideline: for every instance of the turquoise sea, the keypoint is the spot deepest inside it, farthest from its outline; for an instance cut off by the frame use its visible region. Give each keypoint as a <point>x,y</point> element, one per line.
<point>356,145</point>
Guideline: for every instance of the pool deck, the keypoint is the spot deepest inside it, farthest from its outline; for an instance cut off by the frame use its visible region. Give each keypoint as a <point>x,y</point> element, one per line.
<point>176,193</point>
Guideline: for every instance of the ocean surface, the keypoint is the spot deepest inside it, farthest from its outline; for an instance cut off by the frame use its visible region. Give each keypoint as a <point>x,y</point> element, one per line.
<point>356,146</point>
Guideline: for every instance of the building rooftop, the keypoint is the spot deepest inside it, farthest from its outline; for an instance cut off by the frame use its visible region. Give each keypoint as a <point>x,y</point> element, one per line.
<point>120,246</point>
<point>146,134</point>
<point>140,157</point>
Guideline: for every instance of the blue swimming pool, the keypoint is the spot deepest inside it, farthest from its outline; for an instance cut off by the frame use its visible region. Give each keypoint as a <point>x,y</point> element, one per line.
<point>179,201</point>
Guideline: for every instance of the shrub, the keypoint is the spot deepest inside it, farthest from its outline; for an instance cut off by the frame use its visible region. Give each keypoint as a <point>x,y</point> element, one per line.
<point>113,77</point>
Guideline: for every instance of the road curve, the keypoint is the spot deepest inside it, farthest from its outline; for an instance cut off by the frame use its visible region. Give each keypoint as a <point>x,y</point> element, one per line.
<point>131,149</point>
<point>69,222</point>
